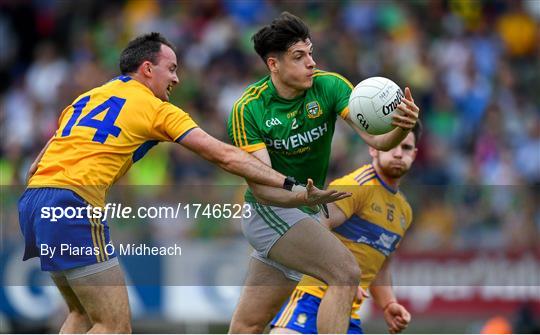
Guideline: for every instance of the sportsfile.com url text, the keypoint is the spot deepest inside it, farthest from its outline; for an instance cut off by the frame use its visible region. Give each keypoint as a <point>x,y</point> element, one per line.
<point>119,211</point>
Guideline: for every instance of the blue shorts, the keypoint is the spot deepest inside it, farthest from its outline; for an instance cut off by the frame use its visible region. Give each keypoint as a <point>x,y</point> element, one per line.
<point>299,313</point>
<point>75,239</point>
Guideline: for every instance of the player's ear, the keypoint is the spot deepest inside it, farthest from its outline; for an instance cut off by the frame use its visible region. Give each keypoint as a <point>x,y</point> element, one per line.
<point>373,152</point>
<point>272,63</point>
<point>146,68</point>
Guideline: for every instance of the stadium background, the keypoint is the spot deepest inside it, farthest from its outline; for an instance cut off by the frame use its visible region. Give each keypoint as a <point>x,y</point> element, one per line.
<point>473,66</point>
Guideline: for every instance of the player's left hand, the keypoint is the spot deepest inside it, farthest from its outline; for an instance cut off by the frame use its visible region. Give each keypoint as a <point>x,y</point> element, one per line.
<point>397,317</point>
<point>406,120</point>
<point>314,196</point>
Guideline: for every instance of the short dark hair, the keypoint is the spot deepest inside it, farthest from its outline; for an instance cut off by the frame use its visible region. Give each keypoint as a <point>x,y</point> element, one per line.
<point>140,49</point>
<point>417,131</point>
<point>284,31</point>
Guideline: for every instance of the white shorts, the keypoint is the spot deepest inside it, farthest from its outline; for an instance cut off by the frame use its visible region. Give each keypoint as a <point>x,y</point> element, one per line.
<point>265,226</point>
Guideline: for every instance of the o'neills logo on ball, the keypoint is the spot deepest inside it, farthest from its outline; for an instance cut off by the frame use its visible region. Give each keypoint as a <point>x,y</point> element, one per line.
<point>387,109</point>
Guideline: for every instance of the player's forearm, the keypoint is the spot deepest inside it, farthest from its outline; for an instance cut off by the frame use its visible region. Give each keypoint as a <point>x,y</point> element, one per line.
<point>381,288</point>
<point>382,294</point>
<point>382,142</point>
<point>273,196</point>
<point>231,159</point>
<point>240,163</point>
<point>386,141</point>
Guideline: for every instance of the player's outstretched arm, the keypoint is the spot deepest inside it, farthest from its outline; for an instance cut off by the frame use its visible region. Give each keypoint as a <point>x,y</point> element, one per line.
<point>396,315</point>
<point>301,196</point>
<point>403,123</point>
<point>231,159</point>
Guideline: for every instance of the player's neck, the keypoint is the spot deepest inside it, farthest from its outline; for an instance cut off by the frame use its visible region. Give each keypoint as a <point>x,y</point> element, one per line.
<point>283,90</point>
<point>141,79</point>
<point>391,182</point>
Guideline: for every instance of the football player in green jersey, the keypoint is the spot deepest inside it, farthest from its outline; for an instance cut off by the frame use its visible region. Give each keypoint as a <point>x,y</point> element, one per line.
<point>287,120</point>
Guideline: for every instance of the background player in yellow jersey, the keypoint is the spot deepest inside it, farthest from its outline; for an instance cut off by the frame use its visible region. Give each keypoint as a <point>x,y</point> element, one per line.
<point>99,137</point>
<point>371,224</point>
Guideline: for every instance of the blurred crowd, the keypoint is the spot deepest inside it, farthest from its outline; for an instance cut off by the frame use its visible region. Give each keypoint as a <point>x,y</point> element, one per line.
<point>473,68</point>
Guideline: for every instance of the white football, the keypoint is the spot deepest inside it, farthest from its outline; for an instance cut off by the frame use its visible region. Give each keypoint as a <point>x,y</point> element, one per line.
<point>372,104</point>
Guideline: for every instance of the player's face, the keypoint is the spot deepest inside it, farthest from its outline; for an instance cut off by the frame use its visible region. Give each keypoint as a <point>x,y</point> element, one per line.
<point>396,162</point>
<point>296,66</point>
<point>164,76</point>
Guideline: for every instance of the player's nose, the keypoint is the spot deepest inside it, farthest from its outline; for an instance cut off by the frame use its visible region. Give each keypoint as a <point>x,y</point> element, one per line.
<point>311,62</point>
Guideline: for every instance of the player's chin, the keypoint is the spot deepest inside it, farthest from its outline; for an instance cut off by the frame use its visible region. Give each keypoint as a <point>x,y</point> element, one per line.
<point>307,83</point>
<point>396,171</point>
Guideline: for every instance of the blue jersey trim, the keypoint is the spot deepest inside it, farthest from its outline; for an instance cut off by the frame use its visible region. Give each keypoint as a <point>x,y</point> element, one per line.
<point>386,186</point>
<point>360,230</point>
<point>364,173</point>
<point>123,78</point>
<point>179,139</point>
<point>143,149</point>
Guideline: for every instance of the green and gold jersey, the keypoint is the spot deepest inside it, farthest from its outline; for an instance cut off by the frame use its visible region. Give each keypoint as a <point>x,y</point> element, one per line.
<point>297,133</point>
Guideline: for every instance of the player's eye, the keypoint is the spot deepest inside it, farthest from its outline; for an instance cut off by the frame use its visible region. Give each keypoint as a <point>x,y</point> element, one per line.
<point>407,147</point>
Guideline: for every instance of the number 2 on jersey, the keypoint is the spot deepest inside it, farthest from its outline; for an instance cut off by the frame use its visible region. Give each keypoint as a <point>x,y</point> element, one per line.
<point>104,128</point>
<point>294,124</point>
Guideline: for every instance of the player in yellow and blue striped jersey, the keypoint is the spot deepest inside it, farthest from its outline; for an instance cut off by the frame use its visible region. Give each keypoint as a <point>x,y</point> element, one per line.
<point>371,224</point>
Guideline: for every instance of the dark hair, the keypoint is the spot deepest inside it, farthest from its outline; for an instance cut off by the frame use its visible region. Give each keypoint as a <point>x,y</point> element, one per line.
<point>142,48</point>
<point>417,131</point>
<point>284,31</point>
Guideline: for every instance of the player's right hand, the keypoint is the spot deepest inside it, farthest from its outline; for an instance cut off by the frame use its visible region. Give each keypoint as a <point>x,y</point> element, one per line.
<point>397,317</point>
<point>408,117</point>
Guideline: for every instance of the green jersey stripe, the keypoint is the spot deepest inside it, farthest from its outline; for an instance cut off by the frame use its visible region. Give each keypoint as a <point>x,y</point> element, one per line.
<point>235,121</point>
<point>259,91</point>
<point>323,73</point>
<point>238,119</point>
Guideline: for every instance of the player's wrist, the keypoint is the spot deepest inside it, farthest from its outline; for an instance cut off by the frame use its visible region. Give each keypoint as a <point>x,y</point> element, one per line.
<point>404,130</point>
<point>289,183</point>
